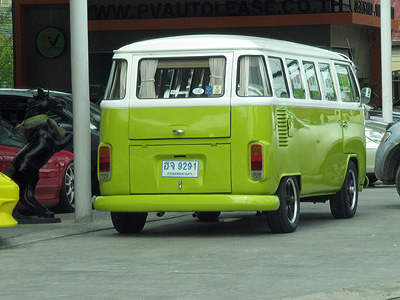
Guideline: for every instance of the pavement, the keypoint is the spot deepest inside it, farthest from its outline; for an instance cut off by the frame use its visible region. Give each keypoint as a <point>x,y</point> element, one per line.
<point>25,234</point>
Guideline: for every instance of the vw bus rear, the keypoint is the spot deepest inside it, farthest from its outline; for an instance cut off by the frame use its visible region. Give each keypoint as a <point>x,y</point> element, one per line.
<point>204,124</point>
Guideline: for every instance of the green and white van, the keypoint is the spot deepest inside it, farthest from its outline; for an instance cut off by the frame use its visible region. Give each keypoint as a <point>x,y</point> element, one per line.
<point>218,123</point>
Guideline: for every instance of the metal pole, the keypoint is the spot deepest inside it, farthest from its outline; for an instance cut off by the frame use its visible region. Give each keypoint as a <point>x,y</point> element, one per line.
<point>81,109</point>
<point>386,52</point>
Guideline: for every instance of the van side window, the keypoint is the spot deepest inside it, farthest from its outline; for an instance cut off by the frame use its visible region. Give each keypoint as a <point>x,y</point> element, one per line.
<point>348,87</point>
<point>181,77</point>
<point>252,79</point>
<point>295,78</point>
<point>116,86</point>
<point>279,78</point>
<point>327,84</point>
<point>312,80</point>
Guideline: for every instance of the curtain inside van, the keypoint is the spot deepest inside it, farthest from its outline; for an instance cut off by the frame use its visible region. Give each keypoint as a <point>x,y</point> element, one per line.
<point>217,70</point>
<point>148,69</point>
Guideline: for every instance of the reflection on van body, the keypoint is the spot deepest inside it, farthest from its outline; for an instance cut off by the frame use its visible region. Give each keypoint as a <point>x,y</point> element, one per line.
<point>215,123</point>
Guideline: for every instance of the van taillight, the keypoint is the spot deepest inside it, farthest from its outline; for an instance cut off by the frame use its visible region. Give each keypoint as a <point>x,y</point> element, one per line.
<point>104,162</point>
<point>256,158</point>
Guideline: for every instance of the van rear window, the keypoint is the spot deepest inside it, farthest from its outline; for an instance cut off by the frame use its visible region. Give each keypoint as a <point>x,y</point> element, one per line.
<point>181,78</point>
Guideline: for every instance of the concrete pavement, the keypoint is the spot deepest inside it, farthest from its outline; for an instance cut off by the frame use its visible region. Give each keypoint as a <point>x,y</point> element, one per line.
<point>24,237</point>
<point>24,234</point>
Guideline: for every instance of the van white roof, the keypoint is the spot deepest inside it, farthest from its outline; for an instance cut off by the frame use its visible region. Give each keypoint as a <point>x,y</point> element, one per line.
<point>225,42</point>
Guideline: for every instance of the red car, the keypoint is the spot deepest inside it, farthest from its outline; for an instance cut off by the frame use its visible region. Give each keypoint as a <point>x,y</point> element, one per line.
<point>55,188</point>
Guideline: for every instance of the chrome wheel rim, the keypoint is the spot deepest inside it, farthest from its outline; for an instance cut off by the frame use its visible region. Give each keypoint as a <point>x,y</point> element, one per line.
<point>352,190</point>
<point>291,201</point>
<point>69,184</point>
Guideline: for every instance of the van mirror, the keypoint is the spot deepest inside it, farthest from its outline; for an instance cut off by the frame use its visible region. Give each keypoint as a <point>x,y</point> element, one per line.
<point>365,95</point>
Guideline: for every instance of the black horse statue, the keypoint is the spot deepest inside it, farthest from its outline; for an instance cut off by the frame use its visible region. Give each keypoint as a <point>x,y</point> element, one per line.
<point>43,138</point>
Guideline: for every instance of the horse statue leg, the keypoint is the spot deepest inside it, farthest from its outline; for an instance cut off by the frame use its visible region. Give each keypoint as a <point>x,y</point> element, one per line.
<point>22,199</point>
<point>40,209</point>
<point>60,144</point>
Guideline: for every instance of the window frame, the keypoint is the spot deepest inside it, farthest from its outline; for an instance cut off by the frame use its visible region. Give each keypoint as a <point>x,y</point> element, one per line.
<point>168,63</point>
<point>111,81</point>
<point>266,84</point>
<point>303,95</point>
<point>285,79</point>
<point>352,83</point>
<point>332,80</point>
<point>316,71</point>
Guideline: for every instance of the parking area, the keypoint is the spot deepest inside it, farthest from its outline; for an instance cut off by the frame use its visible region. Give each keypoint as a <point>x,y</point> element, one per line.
<point>178,257</point>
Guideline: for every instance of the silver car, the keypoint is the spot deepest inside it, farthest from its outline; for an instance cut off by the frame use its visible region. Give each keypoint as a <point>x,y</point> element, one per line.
<point>374,131</point>
<point>387,159</point>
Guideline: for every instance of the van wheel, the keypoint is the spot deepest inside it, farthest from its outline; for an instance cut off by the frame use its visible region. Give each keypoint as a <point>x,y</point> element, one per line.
<point>128,222</point>
<point>344,203</point>
<point>208,216</point>
<point>286,218</point>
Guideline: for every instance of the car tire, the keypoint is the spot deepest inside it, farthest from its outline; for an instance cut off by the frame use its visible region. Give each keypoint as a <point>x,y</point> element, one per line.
<point>286,218</point>
<point>67,193</point>
<point>95,183</point>
<point>128,222</point>
<point>397,178</point>
<point>208,216</point>
<point>372,179</point>
<point>344,203</point>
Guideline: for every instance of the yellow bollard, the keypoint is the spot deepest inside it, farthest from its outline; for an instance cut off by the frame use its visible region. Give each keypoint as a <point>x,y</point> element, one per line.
<point>9,196</point>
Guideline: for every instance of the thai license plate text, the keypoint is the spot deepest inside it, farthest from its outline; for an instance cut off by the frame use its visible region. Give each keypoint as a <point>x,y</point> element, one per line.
<point>180,168</point>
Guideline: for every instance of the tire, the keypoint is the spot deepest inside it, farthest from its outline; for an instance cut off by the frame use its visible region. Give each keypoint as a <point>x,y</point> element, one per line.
<point>95,183</point>
<point>344,203</point>
<point>397,180</point>
<point>208,216</point>
<point>128,222</point>
<point>372,179</point>
<point>67,193</point>
<point>286,218</point>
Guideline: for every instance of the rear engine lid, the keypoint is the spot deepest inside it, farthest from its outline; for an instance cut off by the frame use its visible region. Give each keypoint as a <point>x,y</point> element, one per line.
<point>181,97</point>
<point>179,122</point>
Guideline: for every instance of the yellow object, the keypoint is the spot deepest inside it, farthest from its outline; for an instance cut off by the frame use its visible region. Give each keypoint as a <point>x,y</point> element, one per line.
<point>9,196</point>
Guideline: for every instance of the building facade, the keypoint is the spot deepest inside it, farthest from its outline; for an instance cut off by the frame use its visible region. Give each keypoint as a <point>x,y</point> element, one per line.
<point>42,34</point>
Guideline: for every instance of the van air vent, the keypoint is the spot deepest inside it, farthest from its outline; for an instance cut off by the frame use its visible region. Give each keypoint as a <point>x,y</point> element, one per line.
<point>282,122</point>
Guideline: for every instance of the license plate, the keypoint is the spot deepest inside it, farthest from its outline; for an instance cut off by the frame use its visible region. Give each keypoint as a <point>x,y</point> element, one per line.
<point>180,168</point>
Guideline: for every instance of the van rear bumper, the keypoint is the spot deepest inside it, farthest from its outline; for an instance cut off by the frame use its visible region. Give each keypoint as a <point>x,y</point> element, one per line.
<point>186,202</point>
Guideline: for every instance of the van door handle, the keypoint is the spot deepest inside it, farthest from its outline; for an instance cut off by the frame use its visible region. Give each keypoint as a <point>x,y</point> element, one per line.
<point>178,131</point>
<point>345,124</point>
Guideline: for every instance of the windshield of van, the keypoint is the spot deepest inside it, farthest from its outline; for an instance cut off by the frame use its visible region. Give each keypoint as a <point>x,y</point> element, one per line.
<point>181,77</point>
<point>116,86</point>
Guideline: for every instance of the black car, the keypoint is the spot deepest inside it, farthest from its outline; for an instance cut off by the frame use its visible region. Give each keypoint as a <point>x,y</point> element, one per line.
<point>12,109</point>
